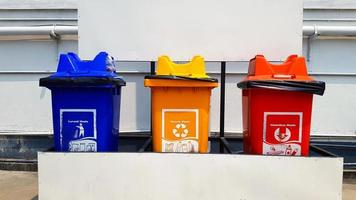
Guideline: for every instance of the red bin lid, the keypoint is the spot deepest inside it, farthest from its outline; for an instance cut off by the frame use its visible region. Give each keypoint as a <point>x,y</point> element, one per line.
<point>291,75</point>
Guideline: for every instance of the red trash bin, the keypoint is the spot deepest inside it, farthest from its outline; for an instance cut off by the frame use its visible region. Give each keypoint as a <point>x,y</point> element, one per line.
<point>277,104</point>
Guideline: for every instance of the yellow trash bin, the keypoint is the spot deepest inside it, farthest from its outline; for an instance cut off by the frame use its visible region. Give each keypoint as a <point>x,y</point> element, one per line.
<point>180,105</point>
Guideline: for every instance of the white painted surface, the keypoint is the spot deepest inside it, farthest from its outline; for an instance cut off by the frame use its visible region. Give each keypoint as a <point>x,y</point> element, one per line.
<point>38,4</point>
<point>187,176</point>
<point>227,30</point>
<point>329,4</point>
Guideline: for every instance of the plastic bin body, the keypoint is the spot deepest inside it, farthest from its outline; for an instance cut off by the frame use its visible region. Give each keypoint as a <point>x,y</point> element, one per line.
<point>97,109</point>
<point>180,98</point>
<point>85,104</point>
<point>269,114</point>
<point>180,115</point>
<point>277,105</point>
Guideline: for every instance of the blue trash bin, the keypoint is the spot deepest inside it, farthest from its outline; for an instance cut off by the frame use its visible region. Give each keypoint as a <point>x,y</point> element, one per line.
<point>85,103</point>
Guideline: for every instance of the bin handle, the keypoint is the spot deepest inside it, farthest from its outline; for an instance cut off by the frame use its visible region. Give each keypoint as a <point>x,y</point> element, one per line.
<point>283,76</point>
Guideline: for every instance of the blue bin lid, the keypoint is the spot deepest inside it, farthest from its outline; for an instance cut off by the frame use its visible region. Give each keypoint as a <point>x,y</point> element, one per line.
<point>72,71</point>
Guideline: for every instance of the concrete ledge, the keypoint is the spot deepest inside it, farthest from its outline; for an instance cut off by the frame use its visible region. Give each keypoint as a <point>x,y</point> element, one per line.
<point>187,176</point>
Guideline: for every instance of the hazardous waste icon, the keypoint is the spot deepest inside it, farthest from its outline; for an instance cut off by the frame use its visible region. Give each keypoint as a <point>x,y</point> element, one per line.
<point>282,136</point>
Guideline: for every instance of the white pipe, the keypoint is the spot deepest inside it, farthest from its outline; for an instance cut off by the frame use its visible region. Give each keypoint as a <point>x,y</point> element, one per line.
<point>308,30</point>
<point>39,30</point>
<point>320,30</point>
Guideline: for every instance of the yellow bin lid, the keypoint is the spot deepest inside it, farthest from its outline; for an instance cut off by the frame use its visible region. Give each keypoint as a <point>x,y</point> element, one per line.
<point>193,69</point>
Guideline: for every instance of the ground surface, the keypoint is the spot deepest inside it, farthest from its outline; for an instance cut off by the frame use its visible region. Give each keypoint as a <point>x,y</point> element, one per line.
<point>18,185</point>
<point>349,191</point>
<point>24,186</point>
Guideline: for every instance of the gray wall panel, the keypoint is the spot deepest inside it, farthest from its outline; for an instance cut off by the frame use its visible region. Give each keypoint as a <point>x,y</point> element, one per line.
<point>332,56</point>
<point>24,107</point>
<point>32,55</point>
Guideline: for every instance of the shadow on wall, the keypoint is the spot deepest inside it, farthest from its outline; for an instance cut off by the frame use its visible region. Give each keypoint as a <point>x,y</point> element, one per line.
<point>135,98</point>
<point>334,113</point>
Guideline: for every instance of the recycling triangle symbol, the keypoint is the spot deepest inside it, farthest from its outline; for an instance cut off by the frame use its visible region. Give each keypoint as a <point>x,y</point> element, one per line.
<point>180,130</point>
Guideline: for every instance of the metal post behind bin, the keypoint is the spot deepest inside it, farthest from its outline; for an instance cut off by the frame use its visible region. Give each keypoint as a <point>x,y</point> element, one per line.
<point>148,142</point>
<point>222,106</point>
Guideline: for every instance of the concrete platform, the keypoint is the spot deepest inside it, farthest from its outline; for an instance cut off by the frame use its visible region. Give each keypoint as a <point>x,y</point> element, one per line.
<point>24,186</point>
<point>187,176</point>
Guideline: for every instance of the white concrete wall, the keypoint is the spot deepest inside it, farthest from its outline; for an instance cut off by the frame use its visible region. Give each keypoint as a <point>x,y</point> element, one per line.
<point>226,30</point>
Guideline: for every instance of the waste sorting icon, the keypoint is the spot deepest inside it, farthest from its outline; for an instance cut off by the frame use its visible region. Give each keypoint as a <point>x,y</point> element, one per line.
<point>180,130</point>
<point>282,136</point>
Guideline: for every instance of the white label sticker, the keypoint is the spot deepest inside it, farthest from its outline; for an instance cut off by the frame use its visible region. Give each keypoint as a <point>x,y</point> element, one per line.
<point>282,133</point>
<point>78,130</point>
<point>180,130</point>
